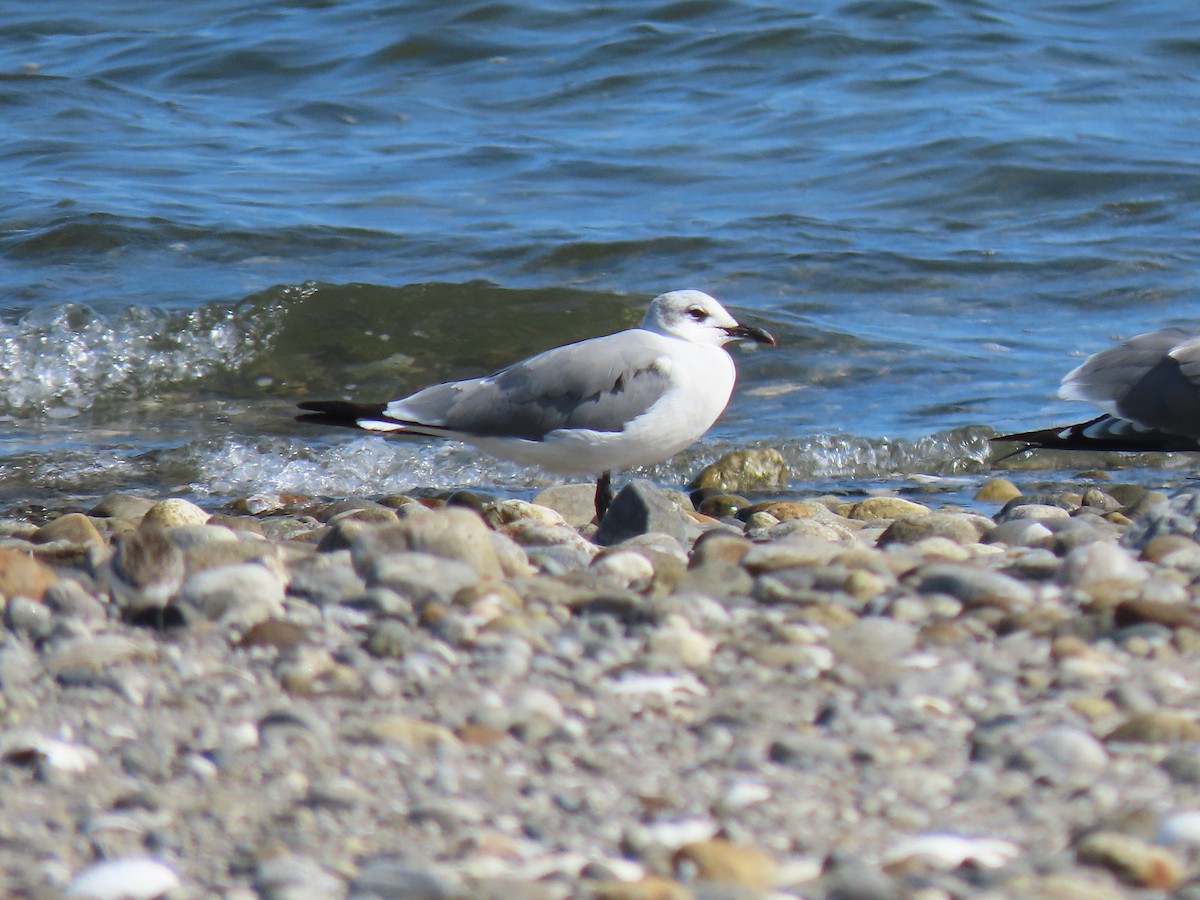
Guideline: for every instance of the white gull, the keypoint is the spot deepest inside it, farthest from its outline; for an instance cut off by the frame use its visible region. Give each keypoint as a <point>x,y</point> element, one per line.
<point>627,399</point>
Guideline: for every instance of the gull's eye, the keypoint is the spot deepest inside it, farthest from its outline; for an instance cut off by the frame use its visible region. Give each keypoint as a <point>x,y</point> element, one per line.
<point>697,314</point>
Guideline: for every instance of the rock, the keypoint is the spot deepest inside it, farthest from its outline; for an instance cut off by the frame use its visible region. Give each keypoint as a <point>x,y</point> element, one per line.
<point>372,515</point>
<point>174,511</point>
<point>73,528</point>
<point>421,578</point>
<point>282,875</point>
<point>397,879</point>
<point>144,571</point>
<point>997,490</point>
<point>1174,551</point>
<point>190,537</point>
<point>874,647</point>
<point>1040,511</point>
<point>576,503</point>
<point>96,653</point>
<point>1180,515</point>
<point>784,511</point>
<point>744,470</point>
<point>1139,610</point>
<point>652,887</point>
<point>726,862</point>
<point>827,530</point>
<point>452,533</point>
<point>235,597</point>
<point>1131,859</point>
<point>1159,726</point>
<point>719,546</point>
<point>1181,829</point>
<point>1065,755</point>
<point>961,528</point>
<point>325,578</point>
<point>1101,562</point>
<point>132,878</point>
<point>676,643</point>
<point>947,852</point>
<point>641,507</point>
<point>882,508</point>
<point>23,576</point>
<point>974,586</point>
<point>278,633</point>
<point>624,569</point>
<point>412,733</point>
<point>721,506</point>
<point>128,507</point>
<point>1021,533</point>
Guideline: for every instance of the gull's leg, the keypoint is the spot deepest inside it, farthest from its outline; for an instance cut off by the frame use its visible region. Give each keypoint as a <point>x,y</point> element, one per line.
<point>604,494</point>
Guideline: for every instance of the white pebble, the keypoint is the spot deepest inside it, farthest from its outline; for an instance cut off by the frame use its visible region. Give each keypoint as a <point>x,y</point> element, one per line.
<point>949,851</point>
<point>135,878</point>
<point>1180,828</point>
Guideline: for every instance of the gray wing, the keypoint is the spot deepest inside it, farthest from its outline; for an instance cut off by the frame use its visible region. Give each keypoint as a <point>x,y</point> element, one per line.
<point>600,384</point>
<point>1152,379</point>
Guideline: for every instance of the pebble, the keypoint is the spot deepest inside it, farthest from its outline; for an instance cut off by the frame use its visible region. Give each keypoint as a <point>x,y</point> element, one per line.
<point>975,587</point>
<point>744,470</point>
<point>997,490</point>
<point>74,529</point>
<point>173,511</point>
<point>949,851</point>
<point>960,529</point>
<point>235,597</point>
<point>638,508</point>
<point>882,508</point>
<point>1097,562</point>
<point>675,714</point>
<point>1131,859</point>
<point>144,572</point>
<point>1159,726</point>
<point>726,862</point>
<point>131,878</point>
<point>23,576</point>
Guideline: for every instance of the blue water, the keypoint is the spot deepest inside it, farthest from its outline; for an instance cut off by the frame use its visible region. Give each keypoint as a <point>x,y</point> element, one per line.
<point>214,210</point>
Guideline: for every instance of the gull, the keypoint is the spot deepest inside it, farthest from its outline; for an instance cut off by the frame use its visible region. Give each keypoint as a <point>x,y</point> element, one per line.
<point>627,399</point>
<point>1149,389</point>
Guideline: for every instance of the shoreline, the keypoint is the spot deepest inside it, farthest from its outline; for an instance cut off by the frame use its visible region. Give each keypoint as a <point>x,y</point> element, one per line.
<point>815,697</point>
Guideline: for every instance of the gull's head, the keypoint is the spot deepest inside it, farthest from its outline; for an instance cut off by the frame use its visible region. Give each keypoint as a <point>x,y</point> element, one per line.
<point>694,316</point>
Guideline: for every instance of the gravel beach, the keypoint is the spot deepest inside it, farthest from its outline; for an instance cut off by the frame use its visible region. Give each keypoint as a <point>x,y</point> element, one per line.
<point>464,696</point>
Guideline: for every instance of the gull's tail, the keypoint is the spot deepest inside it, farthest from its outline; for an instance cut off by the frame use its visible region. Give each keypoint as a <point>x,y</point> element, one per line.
<point>1101,433</point>
<point>343,413</point>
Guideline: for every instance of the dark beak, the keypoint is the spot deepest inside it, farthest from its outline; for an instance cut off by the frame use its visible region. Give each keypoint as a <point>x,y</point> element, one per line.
<point>751,333</point>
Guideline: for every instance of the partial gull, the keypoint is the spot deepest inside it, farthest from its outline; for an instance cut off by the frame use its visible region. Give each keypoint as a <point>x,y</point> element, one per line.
<point>1149,389</point>
<point>627,399</point>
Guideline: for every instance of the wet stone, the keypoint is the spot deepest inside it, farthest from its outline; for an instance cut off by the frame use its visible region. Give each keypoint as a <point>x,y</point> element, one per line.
<point>744,470</point>
<point>997,490</point>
